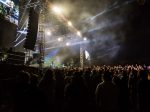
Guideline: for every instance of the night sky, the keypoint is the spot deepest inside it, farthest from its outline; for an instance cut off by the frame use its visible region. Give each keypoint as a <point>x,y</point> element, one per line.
<point>119,30</point>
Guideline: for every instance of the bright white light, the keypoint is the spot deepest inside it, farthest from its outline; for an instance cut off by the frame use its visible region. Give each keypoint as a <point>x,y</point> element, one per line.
<point>19,42</point>
<point>78,33</point>
<point>85,39</point>
<point>48,33</point>
<point>59,39</point>
<point>67,44</point>
<point>56,9</point>
<point>22,31</point>
<point>87,55</point>
<point>69,23</point>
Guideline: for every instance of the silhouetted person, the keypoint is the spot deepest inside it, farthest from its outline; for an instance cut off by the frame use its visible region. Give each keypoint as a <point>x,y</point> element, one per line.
<point>107,95</point>
<point>28,97</point>
<point>0,97</point>
<point>143,91</point>
<point>124,93</point>
<point>59,90</point>
<point>22,86</point>
<point>37,100</point>
<point>47,85</point>
<point>133,89</point>
<point>76,94</point>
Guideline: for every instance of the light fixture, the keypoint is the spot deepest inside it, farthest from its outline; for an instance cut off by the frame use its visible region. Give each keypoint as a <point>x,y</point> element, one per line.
<point>67,44</point>
<point>56,9</point>
<point>78,33</point>
<point>85,39</point>
<point>59,39</point>
<point>69,23</point>
<point>48,33</point>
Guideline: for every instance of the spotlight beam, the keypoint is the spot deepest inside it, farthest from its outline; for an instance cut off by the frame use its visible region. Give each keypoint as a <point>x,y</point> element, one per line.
<point>19,42</point>
<point>115,6</point>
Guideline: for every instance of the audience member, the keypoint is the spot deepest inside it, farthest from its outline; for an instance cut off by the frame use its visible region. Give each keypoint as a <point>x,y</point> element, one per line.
<point>107,95</point>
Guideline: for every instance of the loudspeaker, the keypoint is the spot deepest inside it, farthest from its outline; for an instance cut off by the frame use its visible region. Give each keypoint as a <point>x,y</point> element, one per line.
<point>8,32</point>
<point>32,29</point>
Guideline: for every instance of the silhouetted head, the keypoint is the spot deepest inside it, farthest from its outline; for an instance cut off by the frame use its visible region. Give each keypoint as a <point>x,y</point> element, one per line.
<point>143,75</point>
<point>49,75</point>
<point>77,77</point>
<point>107,76</point>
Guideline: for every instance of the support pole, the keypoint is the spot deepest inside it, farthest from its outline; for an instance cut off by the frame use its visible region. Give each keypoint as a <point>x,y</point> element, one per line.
<point>81,57</point>
<point>41,37</point>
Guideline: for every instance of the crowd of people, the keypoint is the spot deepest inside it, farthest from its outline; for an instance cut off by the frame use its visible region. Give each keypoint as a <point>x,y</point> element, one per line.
<point>74,89</point>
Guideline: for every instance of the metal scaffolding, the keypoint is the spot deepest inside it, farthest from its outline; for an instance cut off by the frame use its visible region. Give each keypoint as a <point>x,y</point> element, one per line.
<point>40,6</point>
<point>81,57</point>
<point>41,35</point>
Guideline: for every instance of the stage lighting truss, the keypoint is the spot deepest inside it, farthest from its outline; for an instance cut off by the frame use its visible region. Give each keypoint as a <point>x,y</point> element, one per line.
<point>34,4</point>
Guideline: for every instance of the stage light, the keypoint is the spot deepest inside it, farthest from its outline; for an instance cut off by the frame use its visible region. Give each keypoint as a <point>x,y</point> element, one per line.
<point>69,23</point>
<point>78,33</point>
<point>59,39</point>
<point>67,44</point>
<point>48,33</point>
<point>85,39</point>
<point>56,9</point>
